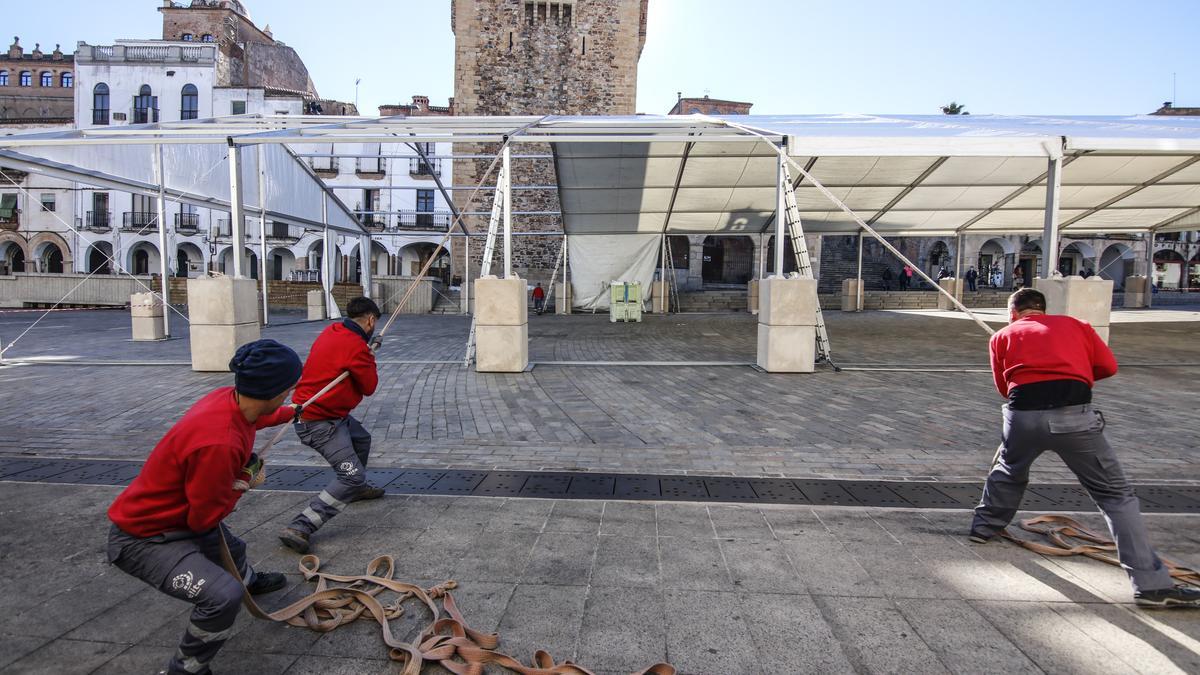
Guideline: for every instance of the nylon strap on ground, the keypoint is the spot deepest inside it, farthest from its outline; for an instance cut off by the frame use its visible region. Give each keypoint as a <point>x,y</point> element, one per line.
<point>446,640</point>
<point>1066,534</point>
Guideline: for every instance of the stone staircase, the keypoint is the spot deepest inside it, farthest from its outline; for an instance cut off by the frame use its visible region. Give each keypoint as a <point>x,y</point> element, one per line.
<point>722,300</point>
<point>446,301</point>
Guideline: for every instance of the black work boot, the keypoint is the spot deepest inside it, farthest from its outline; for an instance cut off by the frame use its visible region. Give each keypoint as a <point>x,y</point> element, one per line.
<point>368,492</point>
<point>265,582</point>
<point>294,539</point>
<point>1163,598</point>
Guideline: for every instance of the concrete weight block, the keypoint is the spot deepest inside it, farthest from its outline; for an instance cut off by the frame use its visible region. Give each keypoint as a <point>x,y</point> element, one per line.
<point>147,328</point>
<point>145,305</point>
<point>316,305</point>
<point>222,301</point>
<point>850,295</point>
<point>787,302</point>
<point>952,286</point>
<point>501,349</point>
<point>752,296</point>
<point>1088,300</point>
<point>213,346</point>
<point>562,298</point>
<point>501,302</point>
<point>787,349</point>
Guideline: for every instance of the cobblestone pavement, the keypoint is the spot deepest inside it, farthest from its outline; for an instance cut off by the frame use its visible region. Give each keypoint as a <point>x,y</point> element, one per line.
<point>664,419</point>
<point>613,586</point>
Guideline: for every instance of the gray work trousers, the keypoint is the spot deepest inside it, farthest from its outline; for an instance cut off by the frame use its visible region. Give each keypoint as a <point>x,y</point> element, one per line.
<point>1076,434</point>
<point>346,445</point>
<point>187,566</point>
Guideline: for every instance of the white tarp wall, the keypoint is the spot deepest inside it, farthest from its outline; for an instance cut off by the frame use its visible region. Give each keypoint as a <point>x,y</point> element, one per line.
<point>597,260</point>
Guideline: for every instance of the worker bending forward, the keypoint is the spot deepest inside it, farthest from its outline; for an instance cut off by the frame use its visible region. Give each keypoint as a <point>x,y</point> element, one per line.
<point>326,424</point>
<point>1045,366</point>
<point>167,524</point>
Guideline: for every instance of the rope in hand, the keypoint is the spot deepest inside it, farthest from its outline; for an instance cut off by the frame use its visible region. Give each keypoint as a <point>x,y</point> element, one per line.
<point>1066,534</point>
<point>446,640</point>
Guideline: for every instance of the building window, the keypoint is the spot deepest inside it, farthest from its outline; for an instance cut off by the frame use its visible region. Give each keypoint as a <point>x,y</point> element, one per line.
<point>26,78</point>
<point>207,37</point>
<point>145,106</point>
<point>47,201</point>
<point>66,80</point>
<point>3,78</point>
<point>187,37</point>
<point>189,107</point>
<point>47,79</point>
<point>100,104</point>
<point>237,107</point>
<point>425,201</point>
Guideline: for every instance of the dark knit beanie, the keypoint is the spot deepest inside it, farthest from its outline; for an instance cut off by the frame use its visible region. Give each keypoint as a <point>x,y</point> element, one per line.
<point>264,369</point>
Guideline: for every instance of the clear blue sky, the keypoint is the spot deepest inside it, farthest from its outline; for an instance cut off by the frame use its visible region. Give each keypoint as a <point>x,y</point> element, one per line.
<point>785,56</point>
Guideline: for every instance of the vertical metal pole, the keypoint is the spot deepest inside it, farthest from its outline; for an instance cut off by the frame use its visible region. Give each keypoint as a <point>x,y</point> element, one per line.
<point>507,188</point>
<point>1050,231</point>
<point>236,209</point>
<point>858,299</point>
<point>566,288</point>
<point>466,281</point>
<point>762,255</point>
<point>328,261</point>
<point>780,241</point>
<point>262,230</point>
<point>164,258</point>
<point>364,263</point>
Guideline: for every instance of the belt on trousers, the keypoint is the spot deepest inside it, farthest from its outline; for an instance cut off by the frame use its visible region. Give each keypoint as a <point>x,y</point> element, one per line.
<point>447,639</point>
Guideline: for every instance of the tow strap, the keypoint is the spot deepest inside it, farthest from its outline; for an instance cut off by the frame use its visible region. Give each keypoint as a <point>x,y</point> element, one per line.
<point>447,640</point>
<point>1065,535</point>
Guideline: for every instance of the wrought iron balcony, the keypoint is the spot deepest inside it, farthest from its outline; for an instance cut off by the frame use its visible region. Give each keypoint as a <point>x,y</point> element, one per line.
<point>283,232</point>
<point>372,221</point>
<point>98,221</point>
<point>370,166</point>
<point>140,222</point>
<point>424,167</point>
<point>187,223</point>
<point>433,221</point>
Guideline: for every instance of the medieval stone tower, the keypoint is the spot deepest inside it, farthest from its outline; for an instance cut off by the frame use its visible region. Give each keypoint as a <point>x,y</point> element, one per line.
<point>527,57</point>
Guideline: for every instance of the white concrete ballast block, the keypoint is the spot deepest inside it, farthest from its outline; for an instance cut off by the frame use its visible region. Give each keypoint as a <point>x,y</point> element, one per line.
<point>501,325</point>
<point>223,314</point>
<point>146,315</point>
<point>1088,300</point>
<point>316,305</point>
<point>787,321</point>
<point>787,302</point>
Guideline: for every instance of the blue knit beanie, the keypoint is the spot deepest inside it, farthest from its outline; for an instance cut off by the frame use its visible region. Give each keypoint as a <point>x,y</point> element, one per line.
<point>264,369</point>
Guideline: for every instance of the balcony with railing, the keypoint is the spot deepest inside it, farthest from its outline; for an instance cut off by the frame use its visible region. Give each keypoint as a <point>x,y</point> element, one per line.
<point>370,167</point>
<point>223,229</point>
<point>375,222</point>
<point>9,218</point>
<point>187,223</point>
<point>430,221</point>
<point>139,222</point>
<point>324,166</point>
<point>144,51</point>
<point>98,221</point>
<point>284,233</point>
<point>418,167</point>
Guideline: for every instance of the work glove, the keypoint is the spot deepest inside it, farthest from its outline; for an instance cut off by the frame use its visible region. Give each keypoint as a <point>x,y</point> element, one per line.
<point>298,410</point>
<point>376,343</point>
<point>252,475</point>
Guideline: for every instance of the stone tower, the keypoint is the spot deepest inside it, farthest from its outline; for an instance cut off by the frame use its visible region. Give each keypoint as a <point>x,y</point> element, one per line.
<point>526,57</point>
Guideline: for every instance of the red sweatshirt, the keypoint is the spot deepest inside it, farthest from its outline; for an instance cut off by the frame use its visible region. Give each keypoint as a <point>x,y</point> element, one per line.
<point>187,481</point>
<point>338,348</point>
<point>1049,347</point>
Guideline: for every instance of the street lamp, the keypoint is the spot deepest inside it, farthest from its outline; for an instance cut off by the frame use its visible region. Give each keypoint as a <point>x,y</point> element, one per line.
<point>356,81</point>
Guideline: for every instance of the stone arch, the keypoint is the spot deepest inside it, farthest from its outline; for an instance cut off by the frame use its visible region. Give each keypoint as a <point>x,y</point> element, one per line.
<point>1116,263</point>
<point>728,259</point>
<point>789,256</point>
<point>1074,257</point>
<point>99,258</point>
<point>414,255</point>
<point>142,259</point>
<point>14,252</point>
<point>250,262</point>
<point>1168,268</point>
<point>280,263</point>
<point>42,247</point>
<point>995,261</point>
<point>189,260</point>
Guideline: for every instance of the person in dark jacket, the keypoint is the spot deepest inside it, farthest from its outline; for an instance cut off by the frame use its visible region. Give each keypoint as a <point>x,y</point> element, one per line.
<point>971,276</point>
<point>886,277</point>
<point>326,424</point>
<point>168,524</point>
<point>1045,366</point>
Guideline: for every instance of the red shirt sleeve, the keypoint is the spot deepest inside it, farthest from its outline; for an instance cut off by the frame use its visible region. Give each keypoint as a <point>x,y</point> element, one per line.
<point>363,372</point>
<point>281,416</point>
<point>208,484</point>
<point>1104,364</point>
<point>996,347</point>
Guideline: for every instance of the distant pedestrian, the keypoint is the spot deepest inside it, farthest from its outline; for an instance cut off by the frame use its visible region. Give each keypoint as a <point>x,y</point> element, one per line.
<point>886,277</point>
<point>539,298</point>
<point>972,276</point>
<point>944,273</point>
<point>1087,273</point>
<point>906,275</point>
<point>997,275</point>
<point>1045,365</point>
<point>1018,279</point>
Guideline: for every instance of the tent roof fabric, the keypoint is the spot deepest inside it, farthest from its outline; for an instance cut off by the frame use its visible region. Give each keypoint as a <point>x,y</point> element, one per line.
<point>917,175</point>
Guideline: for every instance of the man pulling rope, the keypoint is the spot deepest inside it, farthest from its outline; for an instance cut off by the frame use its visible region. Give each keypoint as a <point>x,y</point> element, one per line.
<point>1045,366</point>
<point>167,525</point>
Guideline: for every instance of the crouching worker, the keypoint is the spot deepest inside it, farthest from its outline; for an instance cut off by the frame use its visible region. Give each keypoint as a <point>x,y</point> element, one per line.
<point>167,524</point>
<point>326,424</point>
<point>1045,366</point>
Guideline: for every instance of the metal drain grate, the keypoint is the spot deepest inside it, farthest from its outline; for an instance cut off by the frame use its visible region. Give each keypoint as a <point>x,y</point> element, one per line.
<point>567,485</point>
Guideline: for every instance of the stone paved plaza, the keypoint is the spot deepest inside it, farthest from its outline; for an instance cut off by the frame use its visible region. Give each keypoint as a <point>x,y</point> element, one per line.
<point>617,585</point>
<point>729,419</point>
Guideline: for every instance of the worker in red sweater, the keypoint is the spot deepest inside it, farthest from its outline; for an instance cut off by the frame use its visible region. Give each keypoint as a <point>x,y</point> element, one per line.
<point>1045,365</point>
<point>326,424</point>
<point>167,525</point>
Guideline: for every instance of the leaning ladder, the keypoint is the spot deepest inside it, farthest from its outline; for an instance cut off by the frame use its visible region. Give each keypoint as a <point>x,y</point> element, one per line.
<point>553,276</point>
<point>673,292</point>
<point>489,251</point>
<point>803,262</point>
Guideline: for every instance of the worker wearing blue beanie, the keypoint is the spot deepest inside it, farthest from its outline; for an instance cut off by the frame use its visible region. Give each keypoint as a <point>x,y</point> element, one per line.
<point>264,369</point>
